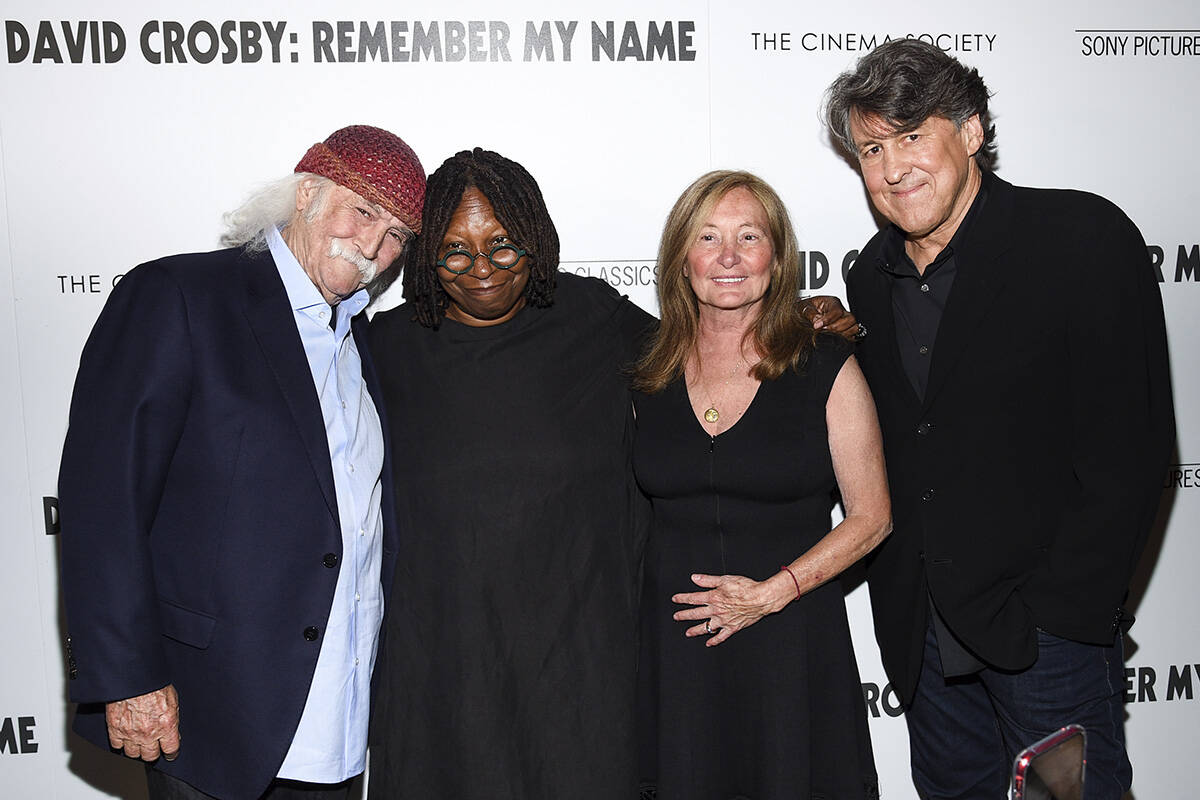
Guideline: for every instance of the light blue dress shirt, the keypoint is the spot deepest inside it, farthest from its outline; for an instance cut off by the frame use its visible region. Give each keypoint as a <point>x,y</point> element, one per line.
<point>330,744</point>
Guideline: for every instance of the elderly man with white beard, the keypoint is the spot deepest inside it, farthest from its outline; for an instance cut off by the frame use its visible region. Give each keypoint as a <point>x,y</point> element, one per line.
<point>226,535</point>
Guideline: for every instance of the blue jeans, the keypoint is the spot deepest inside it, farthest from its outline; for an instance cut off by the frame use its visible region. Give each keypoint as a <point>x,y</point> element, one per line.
<point>964,732</point>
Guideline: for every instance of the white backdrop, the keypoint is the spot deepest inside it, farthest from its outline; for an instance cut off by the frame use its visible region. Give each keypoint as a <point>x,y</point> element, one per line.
<point>126,130</point>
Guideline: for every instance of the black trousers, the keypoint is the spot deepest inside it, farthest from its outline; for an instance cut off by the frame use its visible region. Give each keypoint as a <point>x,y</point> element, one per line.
<point>166,787</point>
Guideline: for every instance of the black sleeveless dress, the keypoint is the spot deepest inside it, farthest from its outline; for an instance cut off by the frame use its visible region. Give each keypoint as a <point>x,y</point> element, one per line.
<point>776,711</point>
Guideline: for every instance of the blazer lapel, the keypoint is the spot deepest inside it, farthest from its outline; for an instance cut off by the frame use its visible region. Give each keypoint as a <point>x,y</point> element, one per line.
<point>359,327</point>
<point>982,274</point>
<point>270,317</point>
<point>881,334</point>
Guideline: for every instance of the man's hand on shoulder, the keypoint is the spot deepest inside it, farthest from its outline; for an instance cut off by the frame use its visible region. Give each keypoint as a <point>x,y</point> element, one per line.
<point>145,726</point>
<point>826,313</point>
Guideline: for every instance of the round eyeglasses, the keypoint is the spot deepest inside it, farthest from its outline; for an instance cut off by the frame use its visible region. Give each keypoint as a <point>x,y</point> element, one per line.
<point>502,256</point>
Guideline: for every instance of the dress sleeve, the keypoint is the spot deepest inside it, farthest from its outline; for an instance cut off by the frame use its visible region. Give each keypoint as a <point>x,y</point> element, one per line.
<point>825,361</point>
<point>629,325</point>
<point>636,327</point>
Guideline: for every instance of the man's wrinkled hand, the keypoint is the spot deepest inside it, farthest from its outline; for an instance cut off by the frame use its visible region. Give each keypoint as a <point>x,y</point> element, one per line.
<point>146,726</point>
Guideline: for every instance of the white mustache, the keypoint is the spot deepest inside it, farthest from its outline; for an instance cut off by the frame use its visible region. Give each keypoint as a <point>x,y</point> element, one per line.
<point>366,267</point>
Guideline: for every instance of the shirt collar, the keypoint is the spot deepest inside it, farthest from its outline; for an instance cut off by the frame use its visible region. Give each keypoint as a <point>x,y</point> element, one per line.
<point>301,291</point>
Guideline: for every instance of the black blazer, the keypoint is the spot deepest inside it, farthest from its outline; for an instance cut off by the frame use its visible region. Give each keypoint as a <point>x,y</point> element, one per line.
<point>197,507</point>
<point>1023,487</point>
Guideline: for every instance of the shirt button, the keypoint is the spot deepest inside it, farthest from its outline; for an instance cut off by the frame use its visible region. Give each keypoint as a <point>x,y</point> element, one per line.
<point>352,468</point>
<point>923,350</point>
<point>330,560</point>
<point>924,287</point>
<point>356,597</point>
<point>923,428</point>
<point>322,315</point>
<point>356,662</point>
<point>311,633</point>
<point>361,532</point>
<point>927,494</point>
<point>343,404</point>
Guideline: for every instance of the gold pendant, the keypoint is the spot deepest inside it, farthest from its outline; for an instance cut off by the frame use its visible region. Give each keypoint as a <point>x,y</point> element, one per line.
<point>711,415</point>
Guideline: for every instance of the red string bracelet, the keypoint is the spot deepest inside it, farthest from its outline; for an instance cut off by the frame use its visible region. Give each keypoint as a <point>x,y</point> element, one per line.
<point>788,570</point>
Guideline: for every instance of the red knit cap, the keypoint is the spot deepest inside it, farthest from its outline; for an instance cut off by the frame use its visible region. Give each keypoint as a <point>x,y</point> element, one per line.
<point>376,164</point>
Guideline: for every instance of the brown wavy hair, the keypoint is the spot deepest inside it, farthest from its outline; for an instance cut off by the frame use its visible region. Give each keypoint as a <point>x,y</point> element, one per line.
<point>781,333</point>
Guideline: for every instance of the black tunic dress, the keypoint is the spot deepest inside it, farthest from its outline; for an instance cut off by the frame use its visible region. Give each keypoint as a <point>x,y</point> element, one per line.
<point>777,710</point>
<point>508,659</point>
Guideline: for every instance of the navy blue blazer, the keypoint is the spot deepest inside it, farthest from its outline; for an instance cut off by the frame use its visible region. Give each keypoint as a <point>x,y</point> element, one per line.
<point>197,506</point>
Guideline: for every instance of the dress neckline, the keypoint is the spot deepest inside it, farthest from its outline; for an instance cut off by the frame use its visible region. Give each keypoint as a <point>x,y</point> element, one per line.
<point>456,331</point>
<point>687,398</point>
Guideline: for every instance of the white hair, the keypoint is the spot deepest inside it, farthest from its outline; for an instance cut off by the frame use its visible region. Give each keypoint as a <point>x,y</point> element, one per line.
<point>271,206</point>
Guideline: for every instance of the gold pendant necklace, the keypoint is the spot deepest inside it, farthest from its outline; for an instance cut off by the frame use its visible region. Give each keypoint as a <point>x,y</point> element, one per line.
<point>711,415</point>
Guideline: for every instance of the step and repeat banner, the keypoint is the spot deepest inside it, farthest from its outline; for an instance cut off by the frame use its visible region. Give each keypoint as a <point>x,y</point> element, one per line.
<point>127,129</point>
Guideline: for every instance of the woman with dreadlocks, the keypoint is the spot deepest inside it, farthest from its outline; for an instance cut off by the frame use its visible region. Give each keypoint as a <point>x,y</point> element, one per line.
<point>509,654</point>
<point>509,649</point>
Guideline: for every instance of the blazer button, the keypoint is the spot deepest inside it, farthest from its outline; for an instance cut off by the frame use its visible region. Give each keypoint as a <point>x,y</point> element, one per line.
<point>330,560</point>
<point>927,494</point>
<point>72,669</point>
<point>923,428</point>
<point>311,633</point>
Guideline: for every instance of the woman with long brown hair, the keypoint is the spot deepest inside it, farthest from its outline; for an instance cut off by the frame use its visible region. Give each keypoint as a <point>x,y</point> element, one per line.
<point>747,422</point>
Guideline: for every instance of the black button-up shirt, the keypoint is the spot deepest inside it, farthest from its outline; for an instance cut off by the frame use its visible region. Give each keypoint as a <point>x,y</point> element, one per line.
<point>918,301</point>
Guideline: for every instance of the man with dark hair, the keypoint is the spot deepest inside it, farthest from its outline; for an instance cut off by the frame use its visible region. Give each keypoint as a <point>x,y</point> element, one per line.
<point>1025,457</point>
<point>228,526</point>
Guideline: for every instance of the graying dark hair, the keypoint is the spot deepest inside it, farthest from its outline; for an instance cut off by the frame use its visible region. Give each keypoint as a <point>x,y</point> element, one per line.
<point>904,82</point>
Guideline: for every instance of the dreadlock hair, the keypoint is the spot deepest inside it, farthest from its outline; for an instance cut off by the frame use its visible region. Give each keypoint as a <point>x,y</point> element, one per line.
<point>520,208</point>
<point>781,334</point>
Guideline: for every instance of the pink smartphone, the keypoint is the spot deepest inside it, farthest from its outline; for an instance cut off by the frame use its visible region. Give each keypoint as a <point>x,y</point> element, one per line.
<point>1052,768</point>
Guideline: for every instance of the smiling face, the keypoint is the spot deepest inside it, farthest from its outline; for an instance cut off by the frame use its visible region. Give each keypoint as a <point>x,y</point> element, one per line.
<point>341,240</point>
<point>484,295</point>
<point>924,180</point>
<point>729,262</point>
